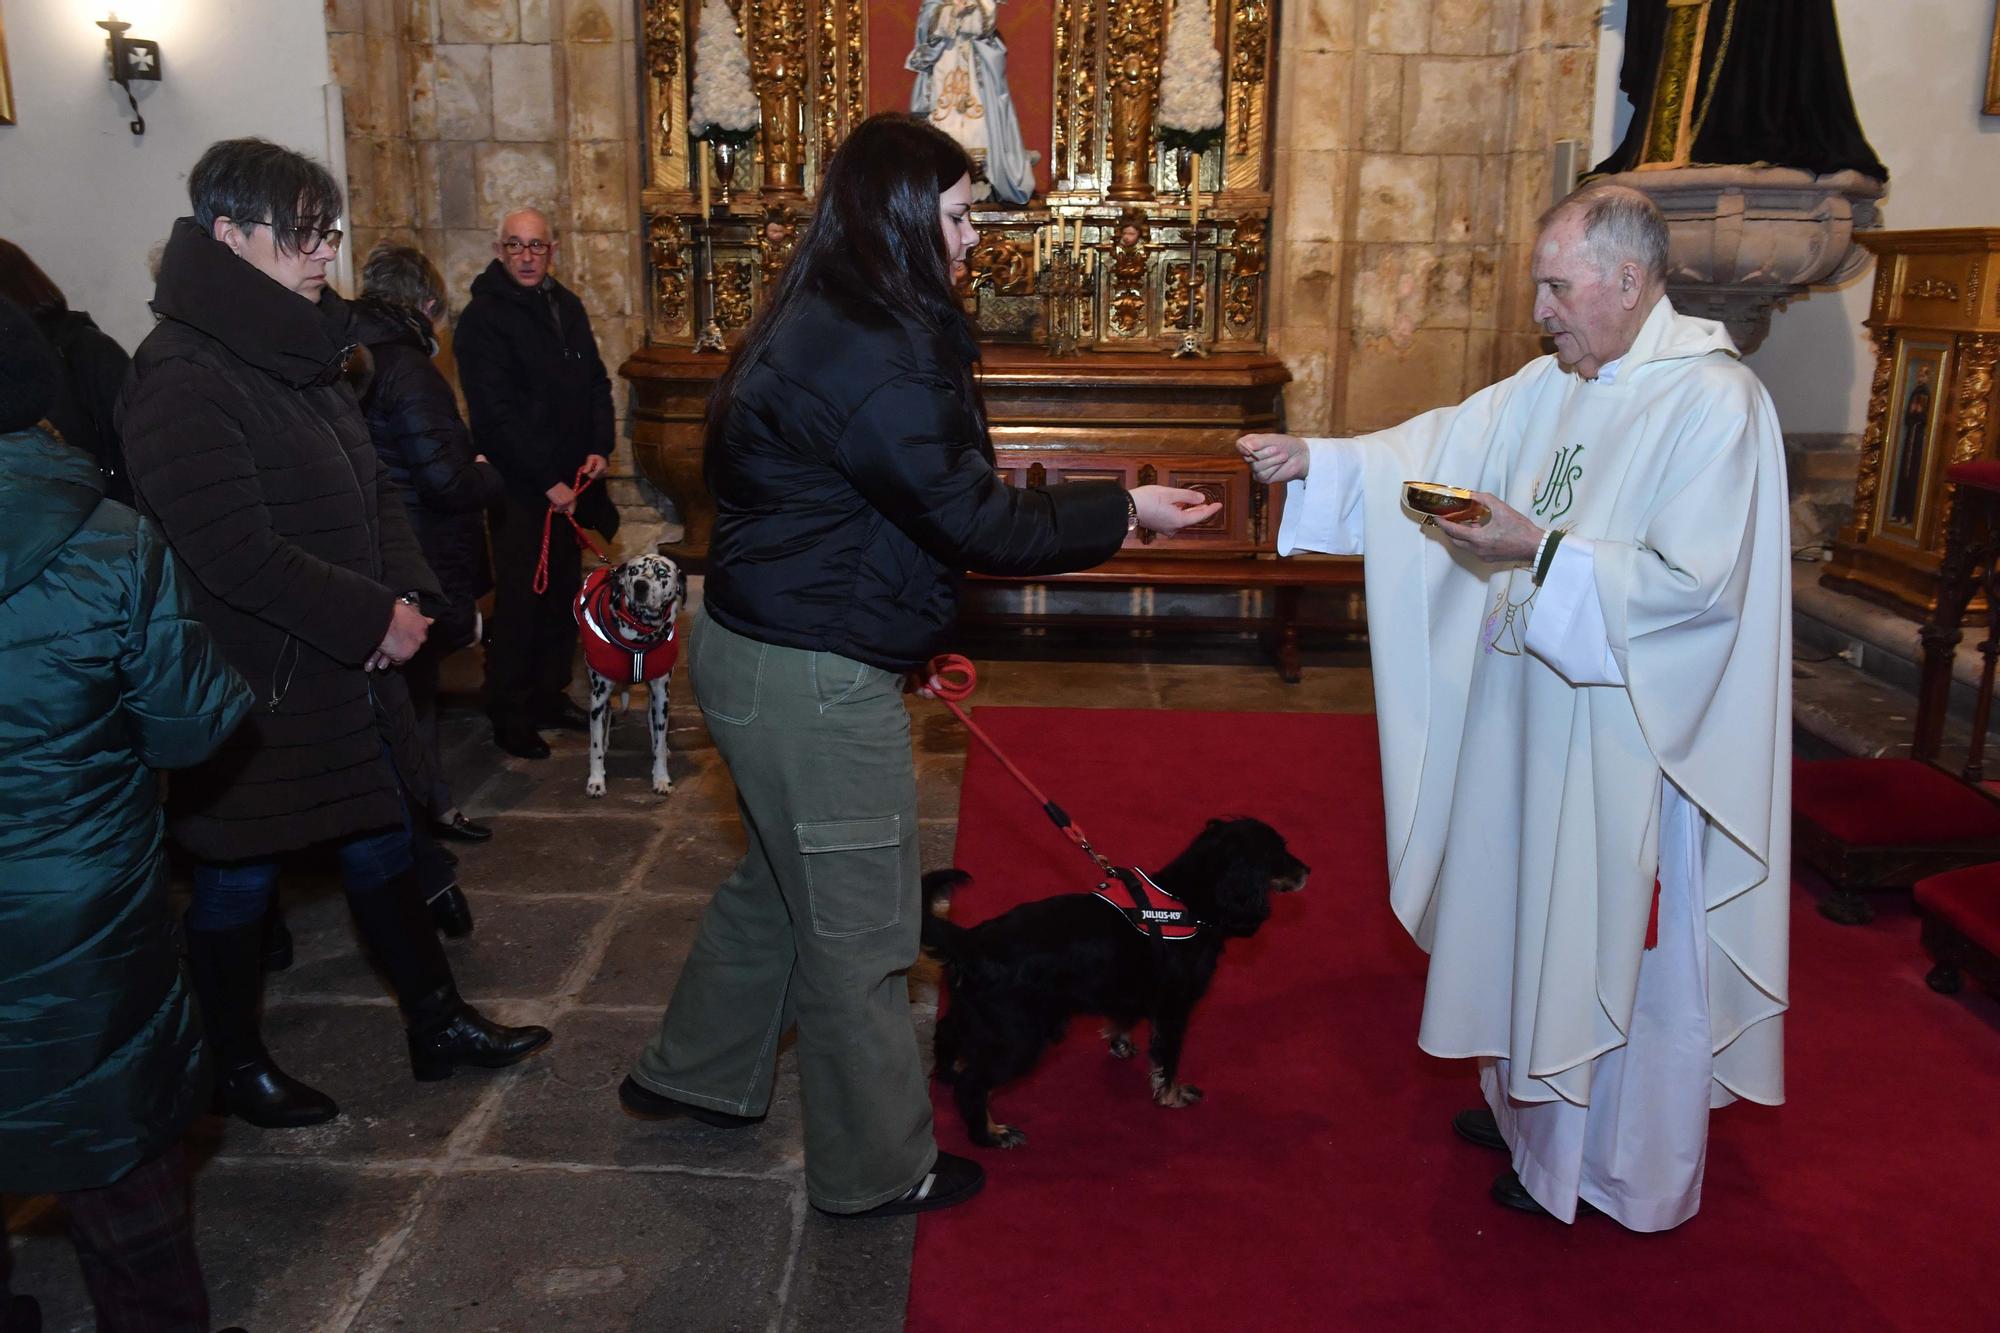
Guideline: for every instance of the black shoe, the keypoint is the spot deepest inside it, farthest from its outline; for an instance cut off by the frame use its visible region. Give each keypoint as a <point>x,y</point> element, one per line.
<point>649,1105</point>
<point>520,740</point>
<point>1478,1126</point>
<point>277,939</point>
<point>259,1092</point>
<point>951,1180</point>
<point>559,714</point>
<point>227,968</point>
<point>461,1035</point>
<point>450,912</point>
<point>1509,1192</point>
<point>22,1315</point>
<point>454,825</point>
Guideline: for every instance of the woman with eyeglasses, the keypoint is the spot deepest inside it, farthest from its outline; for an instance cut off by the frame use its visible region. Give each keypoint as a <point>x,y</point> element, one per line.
<point>245,442</point>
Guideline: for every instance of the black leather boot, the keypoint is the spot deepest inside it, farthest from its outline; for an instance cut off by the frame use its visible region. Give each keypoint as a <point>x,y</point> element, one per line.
<point>444,1030</point>
<point>277,939</point>
<point>228,971</point>
<point>450,913</point>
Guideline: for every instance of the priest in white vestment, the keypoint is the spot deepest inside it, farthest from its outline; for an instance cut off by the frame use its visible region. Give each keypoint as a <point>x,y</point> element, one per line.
<point>1580,698</point>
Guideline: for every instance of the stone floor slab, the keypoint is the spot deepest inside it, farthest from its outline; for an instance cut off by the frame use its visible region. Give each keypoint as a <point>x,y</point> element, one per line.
<point>268,1261</point>
<point>520,947</point>
<point>582,853</point>
<point>644,959</point>
<point>565,1110</point>
<point>535,1251</point>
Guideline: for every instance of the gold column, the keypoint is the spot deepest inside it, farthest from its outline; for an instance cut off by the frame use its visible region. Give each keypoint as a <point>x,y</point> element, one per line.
<point>778,59</point>
<point>1132,44</point>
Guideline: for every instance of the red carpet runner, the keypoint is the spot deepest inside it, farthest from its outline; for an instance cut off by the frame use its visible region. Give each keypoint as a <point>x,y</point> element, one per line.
<point>1318,1187</point>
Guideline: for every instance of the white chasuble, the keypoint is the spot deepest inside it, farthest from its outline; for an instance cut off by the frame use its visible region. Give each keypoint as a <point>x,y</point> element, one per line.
<point>1524,810</point>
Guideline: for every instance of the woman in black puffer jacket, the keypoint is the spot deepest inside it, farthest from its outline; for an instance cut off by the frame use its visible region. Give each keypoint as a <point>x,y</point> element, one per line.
<point>422,442</point>
<point>853,483</point>
<point>246,445</point>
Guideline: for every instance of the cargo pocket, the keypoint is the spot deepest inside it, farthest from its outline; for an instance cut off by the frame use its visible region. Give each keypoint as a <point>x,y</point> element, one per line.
<point>728,671</point>
<point>853,873</point>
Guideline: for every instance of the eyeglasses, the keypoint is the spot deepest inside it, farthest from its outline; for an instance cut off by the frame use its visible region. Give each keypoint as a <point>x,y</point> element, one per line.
<point>305,240</point>
<point>514,247</point>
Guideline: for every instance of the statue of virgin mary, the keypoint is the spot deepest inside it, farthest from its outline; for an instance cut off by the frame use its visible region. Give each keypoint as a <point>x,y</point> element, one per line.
<point>961,68</point>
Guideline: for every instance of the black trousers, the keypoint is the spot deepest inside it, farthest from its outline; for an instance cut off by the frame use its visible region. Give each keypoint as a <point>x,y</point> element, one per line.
<point>532,649</point>
<point>135,1242</point>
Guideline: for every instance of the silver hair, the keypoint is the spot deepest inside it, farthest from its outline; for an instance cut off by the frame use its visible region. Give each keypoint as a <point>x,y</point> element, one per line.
<point>1619,224</point>
<point>500,227</point>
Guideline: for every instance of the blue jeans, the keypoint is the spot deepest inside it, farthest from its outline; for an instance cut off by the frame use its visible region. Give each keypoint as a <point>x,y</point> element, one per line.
<point>239,892</point>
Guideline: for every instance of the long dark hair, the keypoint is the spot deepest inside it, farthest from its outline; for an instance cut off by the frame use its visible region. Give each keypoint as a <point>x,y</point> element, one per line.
<point>874,245</point>
<point>23,282</point>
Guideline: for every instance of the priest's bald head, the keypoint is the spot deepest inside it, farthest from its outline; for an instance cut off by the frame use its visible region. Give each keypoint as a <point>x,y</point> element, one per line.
<point>1600,267</point>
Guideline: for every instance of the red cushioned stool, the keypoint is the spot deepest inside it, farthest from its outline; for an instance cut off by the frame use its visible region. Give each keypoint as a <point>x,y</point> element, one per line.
<point>1887,823</point>
<point>1961,911</point>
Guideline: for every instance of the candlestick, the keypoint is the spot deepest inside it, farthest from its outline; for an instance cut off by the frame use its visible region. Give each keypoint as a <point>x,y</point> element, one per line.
<point>704,182</point>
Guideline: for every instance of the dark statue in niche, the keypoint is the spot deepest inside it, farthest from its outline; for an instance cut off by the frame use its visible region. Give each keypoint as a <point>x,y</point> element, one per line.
<point>1769,88</point>
<point>1913,431</point>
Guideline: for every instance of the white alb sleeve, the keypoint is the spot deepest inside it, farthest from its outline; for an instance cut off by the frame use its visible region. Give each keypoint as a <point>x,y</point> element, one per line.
<point>1566,629</point>
<point>1323,508</point>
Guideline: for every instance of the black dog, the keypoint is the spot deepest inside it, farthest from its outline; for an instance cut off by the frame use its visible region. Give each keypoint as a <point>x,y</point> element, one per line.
<point>1018,979</point>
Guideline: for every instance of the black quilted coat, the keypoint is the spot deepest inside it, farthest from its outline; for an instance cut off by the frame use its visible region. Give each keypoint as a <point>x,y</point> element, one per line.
<point>422,441</point>
<point>246,445</point>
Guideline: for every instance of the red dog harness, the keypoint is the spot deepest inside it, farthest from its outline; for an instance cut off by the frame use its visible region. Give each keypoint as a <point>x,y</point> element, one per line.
<point>618,645</point>
<point>1150,908</point>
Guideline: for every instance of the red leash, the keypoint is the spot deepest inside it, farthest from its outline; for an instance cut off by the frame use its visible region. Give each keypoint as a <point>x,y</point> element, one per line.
<point>583,481</point>
<point>951,678</point>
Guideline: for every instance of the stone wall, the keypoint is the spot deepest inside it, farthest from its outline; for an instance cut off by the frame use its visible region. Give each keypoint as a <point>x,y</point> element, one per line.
<point>1415,141</point>
<point>458,110</point>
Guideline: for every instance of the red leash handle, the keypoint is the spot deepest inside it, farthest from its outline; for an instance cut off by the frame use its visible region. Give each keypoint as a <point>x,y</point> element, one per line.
<point>582,484</point>
<point>951,678</point>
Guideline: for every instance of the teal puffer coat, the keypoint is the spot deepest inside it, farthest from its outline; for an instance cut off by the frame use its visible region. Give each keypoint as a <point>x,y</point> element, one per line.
<point>107,679</point>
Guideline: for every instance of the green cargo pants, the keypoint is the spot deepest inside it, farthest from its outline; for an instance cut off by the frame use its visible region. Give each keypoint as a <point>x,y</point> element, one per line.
<point>817,923</point>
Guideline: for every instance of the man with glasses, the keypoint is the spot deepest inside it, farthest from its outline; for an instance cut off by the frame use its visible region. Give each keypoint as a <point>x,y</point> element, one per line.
<point>540,405</point>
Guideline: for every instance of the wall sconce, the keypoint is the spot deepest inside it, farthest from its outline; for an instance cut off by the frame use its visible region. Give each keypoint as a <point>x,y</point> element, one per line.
<point>131,58</point>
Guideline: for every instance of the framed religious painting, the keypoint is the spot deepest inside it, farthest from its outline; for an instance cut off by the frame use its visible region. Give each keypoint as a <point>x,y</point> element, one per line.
<point>1916,396</point>
<point>6,80</point>
<point>1993,71</point>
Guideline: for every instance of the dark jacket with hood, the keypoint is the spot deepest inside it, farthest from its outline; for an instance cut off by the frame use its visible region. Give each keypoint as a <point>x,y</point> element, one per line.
<point>108,678</point>
<point>249,448</point>
<point>422,441</point>
<point>536,389</point>
<point>85,408</point>
<point>853,485</point>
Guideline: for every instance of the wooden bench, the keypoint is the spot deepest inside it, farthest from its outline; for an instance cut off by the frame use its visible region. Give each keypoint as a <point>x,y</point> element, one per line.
<point>1287,579</point>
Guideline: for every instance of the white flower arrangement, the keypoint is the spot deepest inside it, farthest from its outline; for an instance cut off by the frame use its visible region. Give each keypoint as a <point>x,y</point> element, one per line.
<point>723,105</point>
<point>1190,110</point>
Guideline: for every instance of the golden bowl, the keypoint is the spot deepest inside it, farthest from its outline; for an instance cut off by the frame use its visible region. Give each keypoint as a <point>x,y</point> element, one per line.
<point>1427,499</point>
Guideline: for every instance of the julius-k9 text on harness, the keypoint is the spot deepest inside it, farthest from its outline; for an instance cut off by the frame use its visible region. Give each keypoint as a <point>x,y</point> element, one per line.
<point>1150,908</point>
<point>618,645</point>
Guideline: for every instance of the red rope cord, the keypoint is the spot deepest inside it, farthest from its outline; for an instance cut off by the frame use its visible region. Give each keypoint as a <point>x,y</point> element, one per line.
<point>583,538</point>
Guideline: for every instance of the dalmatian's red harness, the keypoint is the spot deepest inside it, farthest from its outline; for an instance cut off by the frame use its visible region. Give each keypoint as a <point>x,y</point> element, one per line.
<point>617,644</point>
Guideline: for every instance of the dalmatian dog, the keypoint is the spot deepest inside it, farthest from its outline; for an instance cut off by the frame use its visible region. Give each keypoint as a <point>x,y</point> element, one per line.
<point>626,619</point>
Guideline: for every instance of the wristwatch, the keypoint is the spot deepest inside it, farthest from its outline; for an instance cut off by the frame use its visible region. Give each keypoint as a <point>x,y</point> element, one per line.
<point>1131,514</point>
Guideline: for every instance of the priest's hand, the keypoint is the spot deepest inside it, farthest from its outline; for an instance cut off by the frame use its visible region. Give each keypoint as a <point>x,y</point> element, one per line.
<point>1509,537</point>
<point>1275,459</point>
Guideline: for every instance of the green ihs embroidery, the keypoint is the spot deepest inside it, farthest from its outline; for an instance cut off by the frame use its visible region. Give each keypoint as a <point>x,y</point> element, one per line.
<point>1559,491</point>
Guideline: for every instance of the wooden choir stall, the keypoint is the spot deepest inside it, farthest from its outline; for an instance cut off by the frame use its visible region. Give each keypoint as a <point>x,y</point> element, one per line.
<point>1120,301</point>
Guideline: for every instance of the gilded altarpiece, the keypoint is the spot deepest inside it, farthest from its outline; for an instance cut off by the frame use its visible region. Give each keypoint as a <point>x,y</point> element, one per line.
<point>1935,321</point>
<point>1107,399</point>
